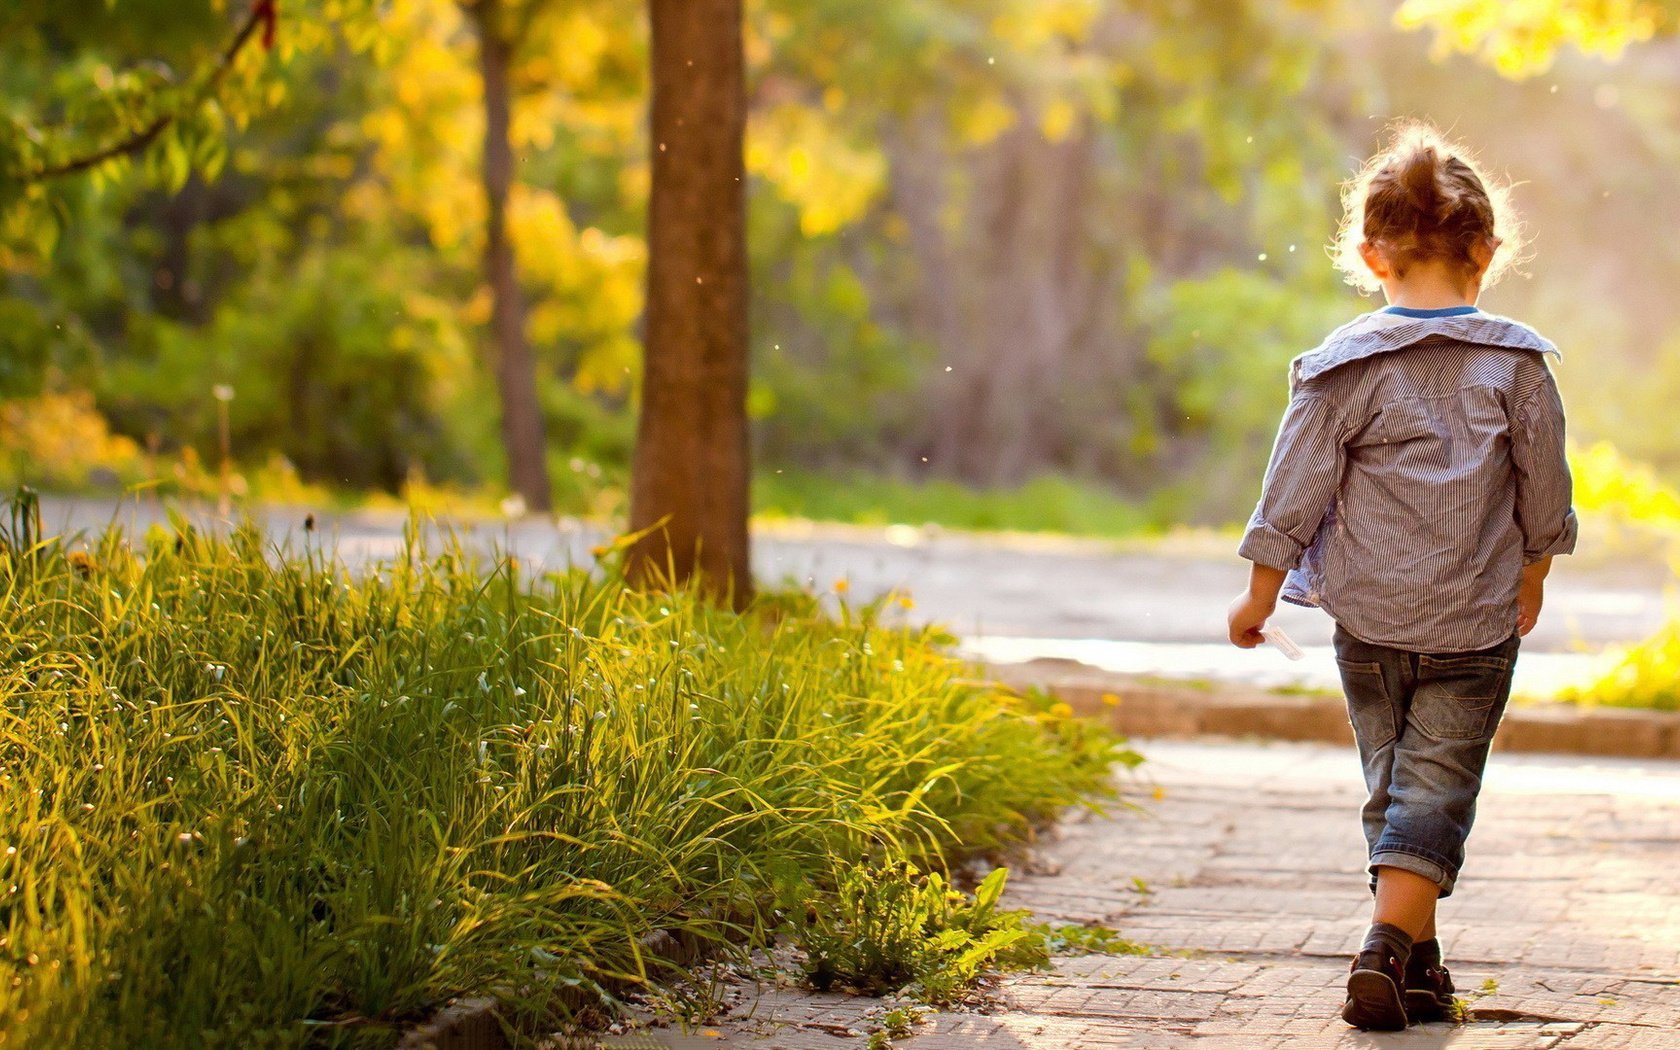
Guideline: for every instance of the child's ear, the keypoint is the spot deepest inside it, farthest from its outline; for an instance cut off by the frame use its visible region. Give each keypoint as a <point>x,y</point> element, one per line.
<point>1481,253</point>
<point>1375,261</point>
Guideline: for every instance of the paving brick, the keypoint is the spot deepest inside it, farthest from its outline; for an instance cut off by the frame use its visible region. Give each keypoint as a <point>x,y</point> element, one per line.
<point>1621,1037</point>
<point>1255,894</point>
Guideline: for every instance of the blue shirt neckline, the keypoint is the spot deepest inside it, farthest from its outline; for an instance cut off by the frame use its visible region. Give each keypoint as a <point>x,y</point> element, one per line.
<point>1439,311</point>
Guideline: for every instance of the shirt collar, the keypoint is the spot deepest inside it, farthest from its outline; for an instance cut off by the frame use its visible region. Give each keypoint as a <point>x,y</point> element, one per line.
<point>1431,311</point>
<point>1379,332</point>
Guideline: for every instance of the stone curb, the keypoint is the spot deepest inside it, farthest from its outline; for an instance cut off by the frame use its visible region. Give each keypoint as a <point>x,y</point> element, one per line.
<point>466,1024</point>
<point>1140,707</point>
<point>475,1022</point>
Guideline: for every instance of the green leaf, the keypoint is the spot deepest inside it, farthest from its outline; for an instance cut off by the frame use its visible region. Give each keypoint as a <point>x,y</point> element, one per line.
<point>177,162</point>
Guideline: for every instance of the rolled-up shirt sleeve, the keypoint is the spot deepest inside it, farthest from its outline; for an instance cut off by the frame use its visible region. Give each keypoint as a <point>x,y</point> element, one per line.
<point>1301,480</point>
<point>1544,487</point>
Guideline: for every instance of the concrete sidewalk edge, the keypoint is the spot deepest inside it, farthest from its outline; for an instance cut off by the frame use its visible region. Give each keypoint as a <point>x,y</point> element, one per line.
<point>1144,707</point>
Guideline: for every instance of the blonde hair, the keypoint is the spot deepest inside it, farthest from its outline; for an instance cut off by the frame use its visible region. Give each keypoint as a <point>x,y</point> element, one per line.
<point>1423,197</point>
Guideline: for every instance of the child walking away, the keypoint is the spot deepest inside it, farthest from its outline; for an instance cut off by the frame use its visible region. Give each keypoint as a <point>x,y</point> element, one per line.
<point>1417,493</point>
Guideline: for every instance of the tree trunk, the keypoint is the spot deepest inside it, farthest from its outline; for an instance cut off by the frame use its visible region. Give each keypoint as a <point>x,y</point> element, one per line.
<point>516,380</point>
<point>1024,291</point>
<point>690,472</point>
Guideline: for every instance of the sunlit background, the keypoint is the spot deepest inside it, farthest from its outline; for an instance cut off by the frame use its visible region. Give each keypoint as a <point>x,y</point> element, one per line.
<point>1067,245</point>
<point>1017,264</point>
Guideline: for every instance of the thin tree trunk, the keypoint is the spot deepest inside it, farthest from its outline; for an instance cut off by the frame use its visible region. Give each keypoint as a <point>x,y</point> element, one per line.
<point>516,380</point>
<point>1024,409</point>
<point>918,162</point>
<point>690,471</point>
<point>1027,293</point>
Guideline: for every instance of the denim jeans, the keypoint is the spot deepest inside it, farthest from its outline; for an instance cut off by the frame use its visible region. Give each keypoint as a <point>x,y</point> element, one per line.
<point>1424,723</point>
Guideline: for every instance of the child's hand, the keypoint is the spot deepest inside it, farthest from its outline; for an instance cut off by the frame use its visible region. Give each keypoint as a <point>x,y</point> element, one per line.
<point>1531,594</point>
<point>1247,615</point>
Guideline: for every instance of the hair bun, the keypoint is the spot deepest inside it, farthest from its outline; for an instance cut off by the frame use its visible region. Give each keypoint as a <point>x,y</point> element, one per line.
<point>1418,176</point>
<point>1424,198</point>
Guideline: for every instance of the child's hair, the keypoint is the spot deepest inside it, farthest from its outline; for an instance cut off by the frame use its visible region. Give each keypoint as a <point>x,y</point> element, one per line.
<point>1423,197</point>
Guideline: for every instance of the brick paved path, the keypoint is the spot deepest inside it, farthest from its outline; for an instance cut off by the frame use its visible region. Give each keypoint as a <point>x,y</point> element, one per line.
<point>1252,877</point>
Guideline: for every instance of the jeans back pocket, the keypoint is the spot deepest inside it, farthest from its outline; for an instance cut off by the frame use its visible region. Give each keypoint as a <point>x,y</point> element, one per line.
<point>1370,708</point>
<point>1461,697</point>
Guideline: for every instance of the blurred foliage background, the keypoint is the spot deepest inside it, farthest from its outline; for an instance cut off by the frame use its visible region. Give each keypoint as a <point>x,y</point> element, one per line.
<point>1054,252</point>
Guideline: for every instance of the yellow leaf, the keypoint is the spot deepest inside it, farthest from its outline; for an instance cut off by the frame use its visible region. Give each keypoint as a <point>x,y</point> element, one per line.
<point>820,168</point>
<point>983,122</point>
<point>1058,120</point>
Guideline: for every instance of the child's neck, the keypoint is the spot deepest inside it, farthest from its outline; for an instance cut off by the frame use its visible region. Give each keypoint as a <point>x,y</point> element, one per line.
<point>1427,287</point>
<point>1422,301</point>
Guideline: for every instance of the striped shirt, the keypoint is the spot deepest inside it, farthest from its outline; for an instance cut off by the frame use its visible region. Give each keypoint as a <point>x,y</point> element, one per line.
<point>1419,465</point>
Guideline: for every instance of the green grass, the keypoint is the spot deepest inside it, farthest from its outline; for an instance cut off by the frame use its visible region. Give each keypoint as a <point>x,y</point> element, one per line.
<point>1647,675</point>
<point>1047,504</point>
<point>250,799</point>
<point>1093,939</point>
<point>891,929</point>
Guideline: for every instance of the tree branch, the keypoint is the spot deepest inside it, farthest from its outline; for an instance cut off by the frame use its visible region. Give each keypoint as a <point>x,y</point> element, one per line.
<point>263,14</point>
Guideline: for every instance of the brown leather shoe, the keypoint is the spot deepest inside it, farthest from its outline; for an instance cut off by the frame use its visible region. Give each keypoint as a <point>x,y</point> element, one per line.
<point>1429,995</point>
<point>1375,998</point>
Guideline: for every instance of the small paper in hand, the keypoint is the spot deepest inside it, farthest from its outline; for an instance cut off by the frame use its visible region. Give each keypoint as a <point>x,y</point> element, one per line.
<point>1286,645</point>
